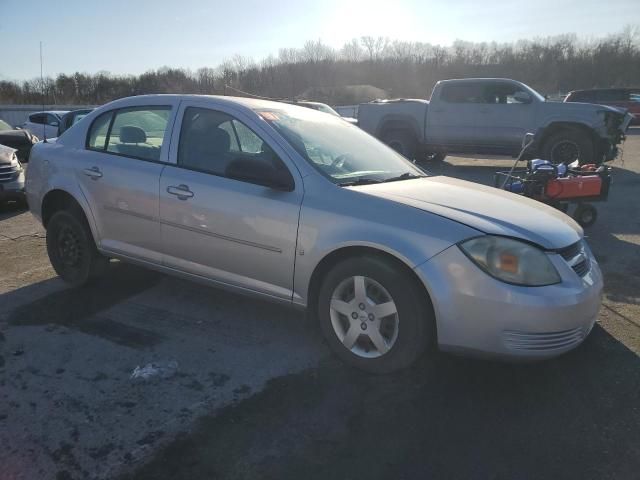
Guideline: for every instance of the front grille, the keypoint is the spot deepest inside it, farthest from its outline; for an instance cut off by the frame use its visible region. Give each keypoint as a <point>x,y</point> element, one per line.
<point>577,258</point>
<point>543,341</point>
<point>8,172</point>
<point>581,268</point>
<point>571,251</point>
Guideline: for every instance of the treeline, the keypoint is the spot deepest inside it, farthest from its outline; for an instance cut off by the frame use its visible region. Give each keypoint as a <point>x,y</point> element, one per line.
<point>402,69</point>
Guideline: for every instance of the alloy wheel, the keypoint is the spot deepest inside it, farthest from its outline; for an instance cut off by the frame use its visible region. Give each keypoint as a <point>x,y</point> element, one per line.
<point>364,317</point>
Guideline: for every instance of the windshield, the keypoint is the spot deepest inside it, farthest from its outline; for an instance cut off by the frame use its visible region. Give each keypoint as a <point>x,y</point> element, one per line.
<point>340,151</point>
<point>541,98</point>
<point>4,125</point>
<point>327,109</point>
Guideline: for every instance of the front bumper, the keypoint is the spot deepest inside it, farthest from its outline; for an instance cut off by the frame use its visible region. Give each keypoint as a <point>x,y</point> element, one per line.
<point>478,314</point>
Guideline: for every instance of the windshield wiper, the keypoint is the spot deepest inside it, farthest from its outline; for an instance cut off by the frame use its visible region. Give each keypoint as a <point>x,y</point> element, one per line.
<point>404,176</point>
<point>360,181</point>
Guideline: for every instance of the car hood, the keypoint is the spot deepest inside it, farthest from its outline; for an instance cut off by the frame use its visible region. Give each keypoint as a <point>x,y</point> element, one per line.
<point>483,208</point>
<point>591,108</point>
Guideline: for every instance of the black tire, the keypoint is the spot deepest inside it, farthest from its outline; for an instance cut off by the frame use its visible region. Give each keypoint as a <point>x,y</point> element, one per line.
<point>72,251</point>
<point>416,324</point>
<point>585,214</point>
<point>566,145</point>
<point>403,142</point>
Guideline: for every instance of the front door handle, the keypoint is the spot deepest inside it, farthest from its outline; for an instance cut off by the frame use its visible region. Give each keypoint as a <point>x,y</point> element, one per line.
<point>181,191</point>
<point>93,172</point>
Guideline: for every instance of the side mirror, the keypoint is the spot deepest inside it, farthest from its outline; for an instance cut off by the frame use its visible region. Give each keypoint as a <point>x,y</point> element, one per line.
<point>522,97</point>
<point>55,124</point>
<point>260,172</point>
<point>527,140</point>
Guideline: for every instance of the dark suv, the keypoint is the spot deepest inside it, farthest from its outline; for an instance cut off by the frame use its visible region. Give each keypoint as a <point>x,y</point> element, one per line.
<point>628,98</point>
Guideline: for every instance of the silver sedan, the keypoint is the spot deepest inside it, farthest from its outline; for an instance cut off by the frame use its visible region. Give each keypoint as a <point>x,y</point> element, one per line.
<point>296,206</point>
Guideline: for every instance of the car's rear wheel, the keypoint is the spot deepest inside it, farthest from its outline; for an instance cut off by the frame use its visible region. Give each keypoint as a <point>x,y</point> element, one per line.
<point>72,251</point>
<point>373,315</point>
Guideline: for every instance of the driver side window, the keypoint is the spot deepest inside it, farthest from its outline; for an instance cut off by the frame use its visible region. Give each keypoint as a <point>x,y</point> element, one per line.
<point>502,93</point>
<point>211,140</point>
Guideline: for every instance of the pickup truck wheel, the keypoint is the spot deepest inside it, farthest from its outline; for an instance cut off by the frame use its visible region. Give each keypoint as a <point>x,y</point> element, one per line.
<point>402,142</point>
<point>72,251</point>
<point>373,316</point>
<point>566,146</point>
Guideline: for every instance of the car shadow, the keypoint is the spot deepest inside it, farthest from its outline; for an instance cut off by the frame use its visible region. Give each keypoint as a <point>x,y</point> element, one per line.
<point>11,208</point>
<point>447,417</point>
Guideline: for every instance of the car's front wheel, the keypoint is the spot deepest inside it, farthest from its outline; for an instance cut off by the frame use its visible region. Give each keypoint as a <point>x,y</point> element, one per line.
<point>71,249</point>
<point>373,315</point>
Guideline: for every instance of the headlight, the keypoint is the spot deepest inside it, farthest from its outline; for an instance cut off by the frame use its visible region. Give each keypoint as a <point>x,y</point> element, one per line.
<point>14,161</point>
<point>511,261</point>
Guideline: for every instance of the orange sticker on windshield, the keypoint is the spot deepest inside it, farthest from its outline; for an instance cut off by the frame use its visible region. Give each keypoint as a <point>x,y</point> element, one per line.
<point>269,116</point>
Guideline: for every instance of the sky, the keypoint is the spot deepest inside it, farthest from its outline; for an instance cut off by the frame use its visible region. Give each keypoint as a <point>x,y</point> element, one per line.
<point>133,36</point>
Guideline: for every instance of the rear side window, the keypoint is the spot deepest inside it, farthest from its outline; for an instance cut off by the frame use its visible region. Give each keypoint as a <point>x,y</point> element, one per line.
<point>136,132</point>
<point>463,93</point>
<point>139,132</point>
<point>612,96</point>
<point>39,118</point>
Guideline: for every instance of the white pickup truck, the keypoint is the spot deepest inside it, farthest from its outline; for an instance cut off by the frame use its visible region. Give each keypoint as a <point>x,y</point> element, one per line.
<point>491,116</point>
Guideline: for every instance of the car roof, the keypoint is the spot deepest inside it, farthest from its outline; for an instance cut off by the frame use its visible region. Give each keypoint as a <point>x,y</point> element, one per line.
<point>58,113</point>
<point>254,104</point>
<point>609,89</point>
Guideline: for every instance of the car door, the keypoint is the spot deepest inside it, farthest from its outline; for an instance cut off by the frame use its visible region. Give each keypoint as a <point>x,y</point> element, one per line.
<point>506,115</point>
<point>119,174</point>
<point>52,124</point>
<point>454,119</point>
<point>232,231</point>
<point>36,125</point>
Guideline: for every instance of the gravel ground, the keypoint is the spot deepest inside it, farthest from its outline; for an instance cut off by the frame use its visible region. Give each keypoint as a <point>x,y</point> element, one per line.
<point>251,392</point>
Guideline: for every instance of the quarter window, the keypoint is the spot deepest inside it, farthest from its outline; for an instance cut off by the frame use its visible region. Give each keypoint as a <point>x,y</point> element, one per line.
<point>210,141</point>
<point>98,133</point>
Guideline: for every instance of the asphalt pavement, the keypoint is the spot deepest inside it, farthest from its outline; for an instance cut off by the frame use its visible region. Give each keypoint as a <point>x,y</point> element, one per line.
<point>244,389</point>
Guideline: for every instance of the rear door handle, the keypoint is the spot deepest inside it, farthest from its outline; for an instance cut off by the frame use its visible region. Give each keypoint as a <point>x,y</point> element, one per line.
<point>93,172</point>
<point>181,191</point>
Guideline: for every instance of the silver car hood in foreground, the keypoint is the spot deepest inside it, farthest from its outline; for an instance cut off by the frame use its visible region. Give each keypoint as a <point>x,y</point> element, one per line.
<point>487,209</point>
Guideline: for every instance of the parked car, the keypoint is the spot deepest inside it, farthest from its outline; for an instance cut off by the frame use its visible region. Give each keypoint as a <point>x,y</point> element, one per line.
<point>11,175</point>
<point>296,206</point>
<point>44,124</point>
<point>322,107</point>
<point>490,116</point>
<point>627,98</point>
<point>71,118</point>
<point>20,140</point>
